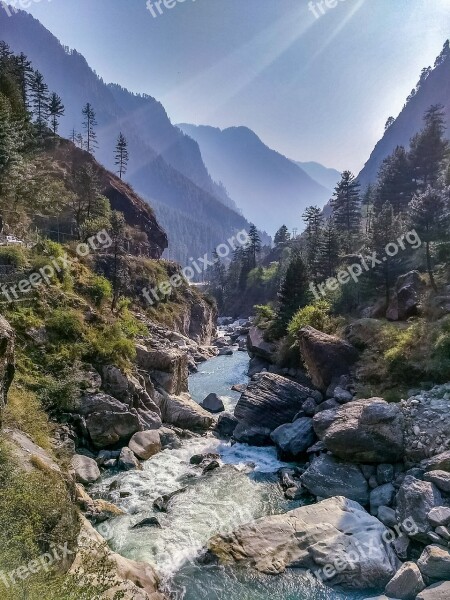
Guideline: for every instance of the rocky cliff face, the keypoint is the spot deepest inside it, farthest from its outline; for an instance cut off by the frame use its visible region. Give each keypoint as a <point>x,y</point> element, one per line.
<point>6,361</point>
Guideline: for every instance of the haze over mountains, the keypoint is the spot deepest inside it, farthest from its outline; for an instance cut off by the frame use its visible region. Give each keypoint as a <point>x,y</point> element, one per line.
<point>432,88</point>
<point>263,182</point>
<point>166,166</point>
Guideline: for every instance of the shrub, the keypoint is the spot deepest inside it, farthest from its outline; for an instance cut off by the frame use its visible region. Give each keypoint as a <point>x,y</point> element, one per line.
<point>66,324</point>
<point>99,290</point>
<point>265,315</point>
<point>13,255</point>
<point>315,315</point>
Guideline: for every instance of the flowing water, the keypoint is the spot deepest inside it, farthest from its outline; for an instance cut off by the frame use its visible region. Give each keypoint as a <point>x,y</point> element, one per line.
<point>244,489</point>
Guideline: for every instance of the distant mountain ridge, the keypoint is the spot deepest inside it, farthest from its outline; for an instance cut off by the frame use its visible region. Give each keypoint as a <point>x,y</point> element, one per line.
<point>266,185</point>
<point>327,177</point>
<point>433,88</point>
<point>166,166</point>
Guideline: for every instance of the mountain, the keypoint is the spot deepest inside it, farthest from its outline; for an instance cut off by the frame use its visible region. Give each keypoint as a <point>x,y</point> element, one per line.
<point>266,185</point>
<point>432,88</point>
<point>166,166</point>
<point>326,177</point>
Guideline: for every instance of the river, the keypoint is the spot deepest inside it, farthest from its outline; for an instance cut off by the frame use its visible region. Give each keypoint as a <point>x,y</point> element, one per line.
<point>244,489</point>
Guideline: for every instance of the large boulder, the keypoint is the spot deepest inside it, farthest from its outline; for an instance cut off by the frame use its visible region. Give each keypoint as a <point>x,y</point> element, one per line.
<point>326,357</point>
<point>100,402</point>
<point>363,431</point>
<point>145,444</point>
<point>415,500</point>
<point>434,563</point>
<point>270,401</point>
<point>438,591</point>
<point>406,300</point>
<point>258,347</point>
<point>168,367</point>
<point>253,435</point>
<point>295,438</point>
<point>327,477</point>
<point>85,469</point>
<point>183,412</point>
<point>406,583</point>
<point>226,424</point>
<point>110,428</point>
<point>440,462</point>
<point>325,538</point>
<point>7,367</point>
<point>427,425</point>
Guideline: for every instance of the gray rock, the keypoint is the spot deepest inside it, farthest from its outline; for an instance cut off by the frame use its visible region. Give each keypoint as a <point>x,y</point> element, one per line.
<point>443,532</point>
<point>168,367</point>
<point>342,396</point>
<point>312,537</point>
<point>434,563</point>
<point>387,516</point>
<point>294,438</point>
<point>162,502</point>
<point>385,474</point>
<point>440,462</point>
<point>109,428</point>
<point>252,435</point>
<point>145,444</point>
<point>148,522</point>
<point>309,407</point>
<point>258,347</point>
<point>127,460</point>
<point>213,404</point>
<point>441,480</point>
<point>438,591</point>
<point>327,405</point>
<point>381,496</point>
<point>97,403</point>
<point>183,412</point>
<point>327,477</point>
<point>406,583</point>
<point>415,500</point>
<point>169,439</point>
<point>226,425</point>
<point>257,365</point>
<point>363,431</point>
<point>86,469</point>
<point>406,300</point>
<point>270,401</point>
<point>325,356</point>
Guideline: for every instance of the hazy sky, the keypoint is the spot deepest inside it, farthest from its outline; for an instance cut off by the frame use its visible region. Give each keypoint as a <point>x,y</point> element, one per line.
<point>312,88</point>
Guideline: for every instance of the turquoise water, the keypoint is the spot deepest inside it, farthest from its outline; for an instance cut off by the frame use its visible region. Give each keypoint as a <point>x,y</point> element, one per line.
<point>243,489</point>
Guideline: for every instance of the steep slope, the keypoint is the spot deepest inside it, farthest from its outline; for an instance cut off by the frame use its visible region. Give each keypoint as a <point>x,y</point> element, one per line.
<point>326,177</point>
<point>165,166</point>
<point>266,185</point>
<point>433,88</point>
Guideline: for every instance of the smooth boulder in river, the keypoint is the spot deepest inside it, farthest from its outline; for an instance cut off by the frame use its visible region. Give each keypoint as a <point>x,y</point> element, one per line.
<point>317,538</point>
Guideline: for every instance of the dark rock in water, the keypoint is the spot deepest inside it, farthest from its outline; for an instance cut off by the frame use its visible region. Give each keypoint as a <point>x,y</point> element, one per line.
<point>257,365</point>
<point>226,425</point>
<point>197,459</point>
<point>363,431</point>
<point>225,352</point>
<point>325,356</point>
<point>239,387</point>
<point>327,477</point>
<point>270,401</point>
<point>257,346</point>
<point>162,503</point>
<point>127,460</point>
<point>211,466</point>
<point>252,435</point>
<point>149,522</point>
<point>294,438</point>
<point>169,439</point>
<point>213,404</point>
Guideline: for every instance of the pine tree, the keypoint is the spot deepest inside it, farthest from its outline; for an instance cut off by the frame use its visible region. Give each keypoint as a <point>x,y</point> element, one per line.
<point>429,148</point>
<point>40,100</point>
<point>89,125</point>
<point>429,217</point>
<point>254,246</point>
<point>56,110</point>
<point>346,205</point>
<point>329,250</point>
<point>368,202</point>
<point>121,155</point>
<point>282,237</point>
<point>313,218</point>
<point>387,227</point>
<point>294,292</point>
<point>395,182</point>
<point>79,140</point>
